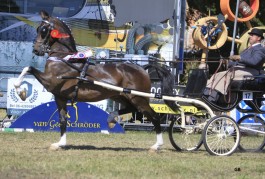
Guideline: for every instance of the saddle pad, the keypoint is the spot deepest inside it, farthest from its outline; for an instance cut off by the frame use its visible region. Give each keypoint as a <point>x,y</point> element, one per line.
<point>80,55</point>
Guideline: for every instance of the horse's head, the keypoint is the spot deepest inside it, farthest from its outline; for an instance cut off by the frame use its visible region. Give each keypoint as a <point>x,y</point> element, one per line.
<point>53,37</point>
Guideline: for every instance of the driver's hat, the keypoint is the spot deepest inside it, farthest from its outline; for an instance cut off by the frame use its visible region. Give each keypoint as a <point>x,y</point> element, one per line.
<point>257,32</point>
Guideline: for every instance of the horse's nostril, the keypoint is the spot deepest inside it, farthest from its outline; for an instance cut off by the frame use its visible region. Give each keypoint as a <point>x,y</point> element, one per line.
<point>35,51</point>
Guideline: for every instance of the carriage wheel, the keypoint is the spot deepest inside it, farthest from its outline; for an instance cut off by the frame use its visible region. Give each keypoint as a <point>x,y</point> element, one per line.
<point>252,129</point>
<point>188,138</point>
<point>221,136</point>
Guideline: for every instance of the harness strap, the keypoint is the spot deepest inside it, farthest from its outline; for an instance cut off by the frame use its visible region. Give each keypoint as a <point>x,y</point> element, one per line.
<point>75,67</point>
<point>84,70</point>
<point>83,74</point>
<point>71,65</point>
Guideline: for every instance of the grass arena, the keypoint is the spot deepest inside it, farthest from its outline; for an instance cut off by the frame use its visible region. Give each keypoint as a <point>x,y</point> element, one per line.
<point>95,155</point>
<point>86,63</point>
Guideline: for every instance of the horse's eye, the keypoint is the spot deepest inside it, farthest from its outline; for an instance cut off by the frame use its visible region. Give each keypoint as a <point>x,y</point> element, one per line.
<point>43,31</point>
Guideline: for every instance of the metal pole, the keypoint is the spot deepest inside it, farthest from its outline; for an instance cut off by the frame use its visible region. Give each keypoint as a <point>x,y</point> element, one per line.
<point>175,30</point>
<point>181,36</point>
<point>176,36</point>
<point>234,32</point>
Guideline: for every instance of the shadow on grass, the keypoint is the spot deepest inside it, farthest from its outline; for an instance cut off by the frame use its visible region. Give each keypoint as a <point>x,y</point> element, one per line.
<point>90,147</point>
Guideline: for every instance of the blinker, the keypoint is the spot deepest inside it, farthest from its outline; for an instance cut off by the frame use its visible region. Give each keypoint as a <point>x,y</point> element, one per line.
<point>43,31</point>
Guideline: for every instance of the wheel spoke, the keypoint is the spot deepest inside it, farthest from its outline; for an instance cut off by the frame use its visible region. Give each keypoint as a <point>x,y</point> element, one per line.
<point>221,135</point>
<point>187,138</point>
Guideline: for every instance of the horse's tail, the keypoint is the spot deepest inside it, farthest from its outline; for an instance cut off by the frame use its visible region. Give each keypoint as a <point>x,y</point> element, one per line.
<point>167,82</point>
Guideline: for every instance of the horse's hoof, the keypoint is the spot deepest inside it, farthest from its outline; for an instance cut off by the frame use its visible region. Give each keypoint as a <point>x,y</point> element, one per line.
<point>111,125</point>
<point>55,147</point>
<point>22,94</point>
<point>151,150</point>
<point>156,147</point>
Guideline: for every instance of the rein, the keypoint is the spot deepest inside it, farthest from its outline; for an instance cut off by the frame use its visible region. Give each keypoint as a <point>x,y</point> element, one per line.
<point>55,51</point>
<point>220,64</point>
<point>232,70</point>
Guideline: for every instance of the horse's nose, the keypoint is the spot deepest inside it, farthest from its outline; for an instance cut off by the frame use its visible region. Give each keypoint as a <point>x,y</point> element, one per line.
<point>35,51</point>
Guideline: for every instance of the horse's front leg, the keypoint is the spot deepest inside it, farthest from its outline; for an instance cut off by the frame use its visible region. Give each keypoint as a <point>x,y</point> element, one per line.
<point>62,109</point>
<point>21,92</point>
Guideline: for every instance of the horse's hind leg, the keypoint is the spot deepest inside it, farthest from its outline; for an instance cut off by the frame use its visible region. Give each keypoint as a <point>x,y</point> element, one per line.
<point>143,106</point>
<point>115,114</point>
<point>62,109</point>
<point>155,119</point>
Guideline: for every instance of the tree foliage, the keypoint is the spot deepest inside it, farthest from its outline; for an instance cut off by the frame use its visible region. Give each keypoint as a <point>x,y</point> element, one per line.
<point>212,7</point>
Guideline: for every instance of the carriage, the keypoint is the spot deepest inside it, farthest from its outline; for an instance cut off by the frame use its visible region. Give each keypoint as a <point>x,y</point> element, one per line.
<point>130,84</point>
<point>219,133</point>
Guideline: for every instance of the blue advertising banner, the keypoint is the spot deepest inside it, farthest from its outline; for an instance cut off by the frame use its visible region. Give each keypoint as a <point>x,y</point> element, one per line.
<point>82,117</point>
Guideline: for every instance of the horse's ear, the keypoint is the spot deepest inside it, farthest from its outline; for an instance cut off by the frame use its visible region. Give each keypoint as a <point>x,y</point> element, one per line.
<point>44,15</point>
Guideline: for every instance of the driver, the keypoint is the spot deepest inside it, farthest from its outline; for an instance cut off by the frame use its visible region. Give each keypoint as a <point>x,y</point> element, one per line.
<point>249,62</point>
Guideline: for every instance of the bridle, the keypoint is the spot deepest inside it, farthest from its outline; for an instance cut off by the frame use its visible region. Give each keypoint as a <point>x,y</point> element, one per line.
<point>48,31</point>
<point>45,30</point>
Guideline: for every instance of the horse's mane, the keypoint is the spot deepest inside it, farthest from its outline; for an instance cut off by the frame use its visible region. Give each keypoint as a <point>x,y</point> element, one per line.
<point>61,24</point>
<point>64,29</point>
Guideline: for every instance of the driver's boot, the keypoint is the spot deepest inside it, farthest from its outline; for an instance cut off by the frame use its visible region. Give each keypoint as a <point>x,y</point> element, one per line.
<point>211,95</point>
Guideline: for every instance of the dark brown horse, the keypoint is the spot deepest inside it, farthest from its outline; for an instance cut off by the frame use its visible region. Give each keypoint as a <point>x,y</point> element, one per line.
<point>54,38</point>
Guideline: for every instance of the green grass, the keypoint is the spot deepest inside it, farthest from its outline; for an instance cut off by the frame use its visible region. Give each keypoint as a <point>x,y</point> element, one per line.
<point>2,114</point>
<point>95,155</point>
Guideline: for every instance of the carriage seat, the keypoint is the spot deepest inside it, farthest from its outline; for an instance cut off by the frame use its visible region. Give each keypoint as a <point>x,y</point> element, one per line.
<point>254,83</point>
